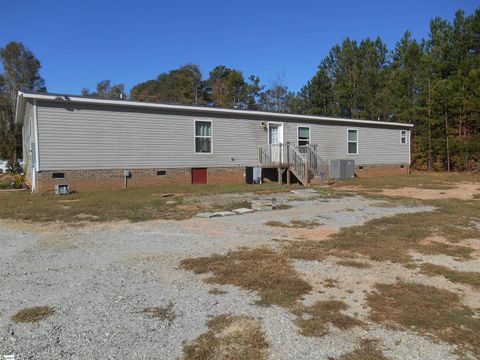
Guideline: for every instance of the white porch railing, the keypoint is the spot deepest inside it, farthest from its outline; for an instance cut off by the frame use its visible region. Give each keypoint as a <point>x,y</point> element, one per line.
<point>303,161</point>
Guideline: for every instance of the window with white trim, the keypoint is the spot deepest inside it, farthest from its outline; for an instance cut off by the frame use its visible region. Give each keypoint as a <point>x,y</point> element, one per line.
<point>203,137</point>
<point>352,142</point>
<point>303,135</point>
<point>403,137</point>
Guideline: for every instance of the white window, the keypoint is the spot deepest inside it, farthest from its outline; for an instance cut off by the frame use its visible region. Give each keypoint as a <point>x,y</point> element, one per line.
<point>303,135</point>
<point>203,137</point>
<point>403,137</point>
<point>352,142</point>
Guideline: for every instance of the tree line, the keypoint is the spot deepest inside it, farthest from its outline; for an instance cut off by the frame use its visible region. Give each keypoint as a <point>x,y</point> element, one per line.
<point>433,83</point>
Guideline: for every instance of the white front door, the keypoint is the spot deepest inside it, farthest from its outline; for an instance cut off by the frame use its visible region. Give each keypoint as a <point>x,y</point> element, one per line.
<point>275,138</point>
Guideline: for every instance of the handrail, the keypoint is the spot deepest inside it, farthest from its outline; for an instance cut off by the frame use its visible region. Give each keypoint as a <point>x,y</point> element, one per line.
<point>272,155</point>
<point>298,165</point>
<point>317,164</point>
<point>303,161</point>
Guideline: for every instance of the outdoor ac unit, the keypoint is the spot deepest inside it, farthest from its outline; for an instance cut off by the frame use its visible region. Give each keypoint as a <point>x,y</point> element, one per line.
<point>62,189</point>
<point>341,169</point>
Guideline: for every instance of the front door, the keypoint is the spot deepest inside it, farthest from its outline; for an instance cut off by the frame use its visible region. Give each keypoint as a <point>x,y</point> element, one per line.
<point>275,140</point>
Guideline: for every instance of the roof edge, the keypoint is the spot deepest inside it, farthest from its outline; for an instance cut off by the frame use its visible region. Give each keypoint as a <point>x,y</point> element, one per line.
<point>20,108</point>
<point>211,110</point>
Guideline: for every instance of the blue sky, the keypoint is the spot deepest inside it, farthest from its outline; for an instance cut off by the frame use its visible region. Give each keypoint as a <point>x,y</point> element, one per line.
<point>82,42</point>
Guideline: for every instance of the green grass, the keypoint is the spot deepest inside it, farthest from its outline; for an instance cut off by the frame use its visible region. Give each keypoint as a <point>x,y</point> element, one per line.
<point>132,204</point>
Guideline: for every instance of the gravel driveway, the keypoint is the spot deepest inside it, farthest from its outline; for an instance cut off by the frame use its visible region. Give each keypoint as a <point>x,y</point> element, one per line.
<point>98,278</point>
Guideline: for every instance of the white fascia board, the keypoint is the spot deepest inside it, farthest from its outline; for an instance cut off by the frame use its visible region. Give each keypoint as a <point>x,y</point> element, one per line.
<point>211,110</point>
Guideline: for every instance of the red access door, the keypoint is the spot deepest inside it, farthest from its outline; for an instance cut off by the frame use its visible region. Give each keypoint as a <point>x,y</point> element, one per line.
<point>199,176</point>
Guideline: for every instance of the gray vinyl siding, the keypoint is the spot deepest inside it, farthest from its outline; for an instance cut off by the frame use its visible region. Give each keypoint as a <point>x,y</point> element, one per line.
<point>82,136</point>
<point>94,137</point>
<point>28,140</point>
<point>376,145</point>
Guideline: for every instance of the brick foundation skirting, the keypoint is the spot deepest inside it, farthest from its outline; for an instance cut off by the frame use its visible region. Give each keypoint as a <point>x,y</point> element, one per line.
<point>367,171</point>
<point>110,179</point>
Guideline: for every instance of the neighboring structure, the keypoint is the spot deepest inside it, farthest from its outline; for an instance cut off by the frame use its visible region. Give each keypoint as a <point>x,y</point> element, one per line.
<point>91,143</point>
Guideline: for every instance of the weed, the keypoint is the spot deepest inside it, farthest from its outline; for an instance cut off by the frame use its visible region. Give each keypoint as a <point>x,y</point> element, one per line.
<point>295,224</point>
<point>283,207</point>
<point>330,283</point>
<point>366,351</point>
<point>164,314</point>
<point>353,263</point>
<point>228,337</point>
<point>314,320</point>
<point>33,314</point>
<point>216,291</point>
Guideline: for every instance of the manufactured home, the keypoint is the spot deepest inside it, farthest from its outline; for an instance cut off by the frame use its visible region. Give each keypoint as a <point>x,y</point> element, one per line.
<point>91,143</point>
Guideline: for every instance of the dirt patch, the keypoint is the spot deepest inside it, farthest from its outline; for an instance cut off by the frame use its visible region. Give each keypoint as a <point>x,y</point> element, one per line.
<point>461,191</point>
<point>317,234</point>
<point>190,207</point>
<point>229,337</point>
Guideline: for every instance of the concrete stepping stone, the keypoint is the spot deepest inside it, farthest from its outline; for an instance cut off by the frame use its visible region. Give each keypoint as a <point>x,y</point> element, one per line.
<point>242,211</point>
<point>224,213</point>
<point>303,191</point>
<point>208,215</point>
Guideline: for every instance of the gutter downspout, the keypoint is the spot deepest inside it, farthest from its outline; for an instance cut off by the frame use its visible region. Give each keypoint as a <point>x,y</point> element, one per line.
<point>36,161</point>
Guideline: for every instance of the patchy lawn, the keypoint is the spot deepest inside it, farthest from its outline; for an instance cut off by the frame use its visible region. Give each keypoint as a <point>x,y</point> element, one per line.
<point>132,204</point>
<point>462,277</point>
<point>392,238</point>
<point>428,310</point>
<point>326,273</point>
<point>263,270</point>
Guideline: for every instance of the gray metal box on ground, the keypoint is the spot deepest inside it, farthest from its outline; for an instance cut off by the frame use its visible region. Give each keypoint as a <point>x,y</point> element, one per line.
<point>341,169</point>
<point>349,169</point>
